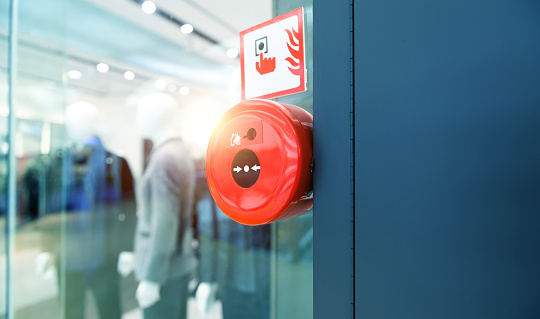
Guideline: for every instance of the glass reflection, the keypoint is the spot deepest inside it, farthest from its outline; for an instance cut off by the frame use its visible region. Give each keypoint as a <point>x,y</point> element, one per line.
<point>4,148</point>
<point>83,173</point>
<point>235,260</point>
<point>164,260</point>
<point>94,187</point>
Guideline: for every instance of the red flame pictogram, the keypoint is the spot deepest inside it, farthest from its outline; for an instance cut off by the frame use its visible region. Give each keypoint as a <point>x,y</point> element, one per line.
<point>294,45</point>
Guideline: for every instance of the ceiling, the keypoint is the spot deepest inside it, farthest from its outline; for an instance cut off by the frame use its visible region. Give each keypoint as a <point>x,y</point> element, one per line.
<point>78,34</point>
<point>57,36</point>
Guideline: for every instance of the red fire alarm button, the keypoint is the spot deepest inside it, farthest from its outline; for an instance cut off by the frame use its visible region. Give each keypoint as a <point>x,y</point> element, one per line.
<point>259,160</point>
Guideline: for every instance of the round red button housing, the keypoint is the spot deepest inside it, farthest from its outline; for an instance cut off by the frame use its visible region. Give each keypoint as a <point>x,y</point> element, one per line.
<point>258,162</point>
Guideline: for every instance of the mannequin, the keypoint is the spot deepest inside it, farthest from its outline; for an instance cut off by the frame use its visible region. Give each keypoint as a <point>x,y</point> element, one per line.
<point>163,260</point>
<point>95,180</point>
<point>81,123</point>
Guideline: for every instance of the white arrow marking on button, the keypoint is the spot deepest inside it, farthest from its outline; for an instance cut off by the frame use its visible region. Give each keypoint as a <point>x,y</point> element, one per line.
<point>256,168</point>
<point>237,169</point>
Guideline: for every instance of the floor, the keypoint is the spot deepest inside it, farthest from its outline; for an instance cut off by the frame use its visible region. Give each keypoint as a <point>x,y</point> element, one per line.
<point>35,297</point>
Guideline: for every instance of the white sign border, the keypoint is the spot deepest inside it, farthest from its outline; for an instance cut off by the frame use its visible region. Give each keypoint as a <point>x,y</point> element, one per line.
<point>302,87</point>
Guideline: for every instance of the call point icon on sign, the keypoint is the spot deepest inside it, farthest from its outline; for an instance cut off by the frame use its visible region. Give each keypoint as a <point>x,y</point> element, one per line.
<point>278,66</point>
<point>261,46</point>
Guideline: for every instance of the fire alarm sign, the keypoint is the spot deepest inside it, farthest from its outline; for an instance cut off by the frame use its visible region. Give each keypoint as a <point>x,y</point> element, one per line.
<point>272,57</point>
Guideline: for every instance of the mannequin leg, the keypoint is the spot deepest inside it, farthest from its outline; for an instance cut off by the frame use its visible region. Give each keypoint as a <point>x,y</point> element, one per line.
<point>242,305</point>
<point>105,286</point>
<point>173,301</point>
<point>75,295</point>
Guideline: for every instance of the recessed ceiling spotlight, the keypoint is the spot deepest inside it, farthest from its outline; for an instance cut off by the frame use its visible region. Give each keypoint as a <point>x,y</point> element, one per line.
<point>186,28</point>
<point>74,74</point>
<point>232,53</point>
<point>184,90</point>
<point>148,7</point>
<point>128,75</point>
<point>160,84</point>
<point>102,67</point>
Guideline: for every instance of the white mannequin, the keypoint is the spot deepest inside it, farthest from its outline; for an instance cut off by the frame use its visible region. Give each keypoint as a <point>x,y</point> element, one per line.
<point>81,122</point>
<point>156,116</point>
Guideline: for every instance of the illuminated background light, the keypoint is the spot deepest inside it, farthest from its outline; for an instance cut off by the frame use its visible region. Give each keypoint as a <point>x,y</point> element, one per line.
<point>160,84</point>
<point>232,53</point>
<point>128,75</point>
<point>184,90</point>
<point>74,74</point>
<point>186,28</point>
<point>102,67</point>
<point>198,120</point>
<point>148,7</point>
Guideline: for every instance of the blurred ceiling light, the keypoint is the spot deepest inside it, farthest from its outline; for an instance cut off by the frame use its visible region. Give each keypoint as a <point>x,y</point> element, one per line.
<point>4,148</point>
<point>184,90</point>
<point>172,87</point>
<point>128,75</point>
<point>46,139</point>
<point>74,74</point>
<point>186,28</point>
<point>160,84</point>
<point>102,67</point>
<point>232,53</point>
<point>148,7</point>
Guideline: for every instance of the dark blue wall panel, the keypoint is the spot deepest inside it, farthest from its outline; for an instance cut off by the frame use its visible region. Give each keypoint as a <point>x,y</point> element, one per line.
<point>447,158</point>
<point>332,228</point>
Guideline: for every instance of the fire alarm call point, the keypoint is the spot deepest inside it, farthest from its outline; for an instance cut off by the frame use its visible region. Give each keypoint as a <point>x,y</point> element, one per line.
<point>259,162</point>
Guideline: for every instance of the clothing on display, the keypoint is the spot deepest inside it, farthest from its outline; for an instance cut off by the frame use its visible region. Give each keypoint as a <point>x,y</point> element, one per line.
<point>100,208</point>
<point>163,239</point>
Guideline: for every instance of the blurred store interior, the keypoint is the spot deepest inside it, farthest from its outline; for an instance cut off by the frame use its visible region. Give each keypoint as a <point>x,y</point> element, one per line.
<point>111,54</point>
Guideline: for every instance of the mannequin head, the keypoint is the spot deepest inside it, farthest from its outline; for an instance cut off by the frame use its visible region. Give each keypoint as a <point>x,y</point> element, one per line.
<point>81,121</point>
<point>156,117</point>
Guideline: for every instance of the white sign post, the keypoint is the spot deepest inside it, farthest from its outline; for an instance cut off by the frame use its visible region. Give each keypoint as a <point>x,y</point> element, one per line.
<point>272,57</point>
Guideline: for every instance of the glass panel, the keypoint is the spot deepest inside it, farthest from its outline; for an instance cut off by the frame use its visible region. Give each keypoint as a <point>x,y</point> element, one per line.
<point>35,219</point>
<point>104,186</point>
<point>293,238</point>
<point>4,148</point>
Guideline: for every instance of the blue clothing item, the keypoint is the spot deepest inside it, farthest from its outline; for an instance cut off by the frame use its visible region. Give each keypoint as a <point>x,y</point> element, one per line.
<point>85,177</point>
<point>91,185</point>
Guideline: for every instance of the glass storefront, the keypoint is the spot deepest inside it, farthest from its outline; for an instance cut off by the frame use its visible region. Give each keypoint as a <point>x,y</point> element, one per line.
<point>4,149</point>
<point>81,76</point>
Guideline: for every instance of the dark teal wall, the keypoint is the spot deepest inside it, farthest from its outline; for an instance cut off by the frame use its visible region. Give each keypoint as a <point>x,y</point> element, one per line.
<point>447,154</point>
<point>332,147</point>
